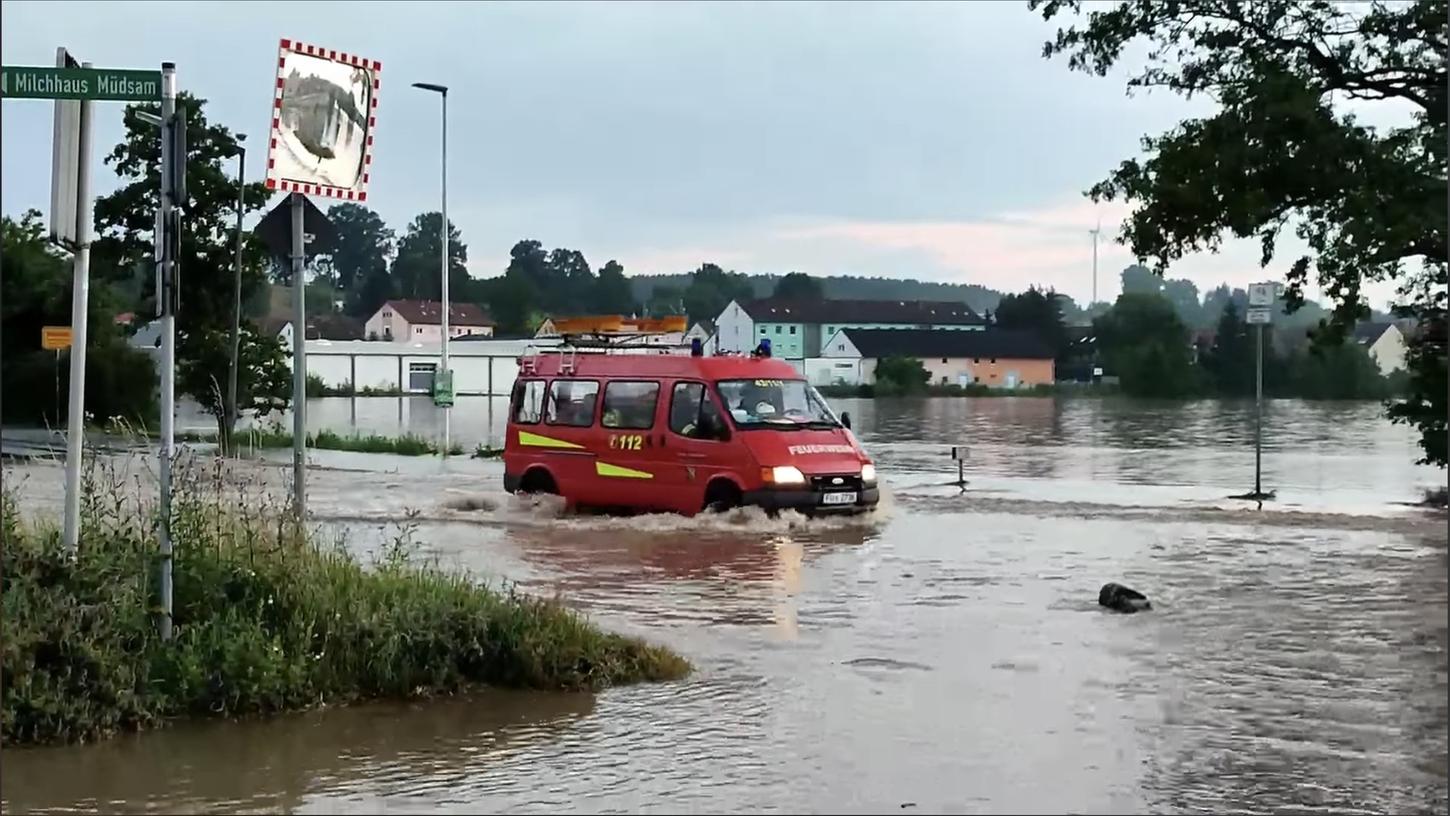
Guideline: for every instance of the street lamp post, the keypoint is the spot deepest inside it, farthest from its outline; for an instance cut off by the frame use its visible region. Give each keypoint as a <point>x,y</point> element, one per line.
<point>231,407</point>
<point>442,91</point>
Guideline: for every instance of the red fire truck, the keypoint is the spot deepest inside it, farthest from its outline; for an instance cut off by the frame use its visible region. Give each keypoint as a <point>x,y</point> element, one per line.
<point>630,427</point>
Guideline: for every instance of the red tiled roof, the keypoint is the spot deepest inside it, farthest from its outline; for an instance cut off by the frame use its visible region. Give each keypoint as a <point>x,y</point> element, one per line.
<point>430,313</point>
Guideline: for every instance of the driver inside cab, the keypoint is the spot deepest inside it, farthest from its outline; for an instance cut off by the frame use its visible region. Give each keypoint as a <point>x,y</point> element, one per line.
<point>756,403</point>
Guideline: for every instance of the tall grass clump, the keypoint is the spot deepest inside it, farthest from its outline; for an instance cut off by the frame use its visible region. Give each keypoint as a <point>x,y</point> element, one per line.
<point>272,436</point>
<point>267,619</point>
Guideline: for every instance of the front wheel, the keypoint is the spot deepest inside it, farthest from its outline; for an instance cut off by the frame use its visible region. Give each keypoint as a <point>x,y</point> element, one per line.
<point>722,497</point>
<point>537,482</point>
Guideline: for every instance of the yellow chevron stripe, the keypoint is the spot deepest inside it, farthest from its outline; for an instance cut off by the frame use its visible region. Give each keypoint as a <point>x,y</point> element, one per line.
<point>536,441</point>
<point>606,469</point>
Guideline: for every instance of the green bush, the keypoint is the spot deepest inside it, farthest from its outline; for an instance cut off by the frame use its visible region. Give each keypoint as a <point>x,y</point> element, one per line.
<point>316,387</point>
<point>120,382</point>
<point>266,620</point>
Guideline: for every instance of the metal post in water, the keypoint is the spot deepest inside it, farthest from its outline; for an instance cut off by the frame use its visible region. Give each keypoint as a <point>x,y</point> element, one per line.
<point>299,364</point>
<point>79,309</point>
<point>166,302</point>
<point>1259,414</point>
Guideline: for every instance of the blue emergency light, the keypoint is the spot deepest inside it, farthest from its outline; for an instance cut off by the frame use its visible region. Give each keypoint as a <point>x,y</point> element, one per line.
<point>764,349</point>
<point>697,349</point>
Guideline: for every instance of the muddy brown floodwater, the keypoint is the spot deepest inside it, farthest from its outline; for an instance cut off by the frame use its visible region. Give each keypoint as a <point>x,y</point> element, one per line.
<point>945,655</point>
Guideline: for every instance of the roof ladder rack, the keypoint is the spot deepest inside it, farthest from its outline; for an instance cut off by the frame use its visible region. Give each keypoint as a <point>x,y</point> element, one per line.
<point>568,360</point>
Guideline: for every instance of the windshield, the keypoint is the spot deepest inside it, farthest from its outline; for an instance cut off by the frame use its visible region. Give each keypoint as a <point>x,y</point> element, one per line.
<point>775,403</point>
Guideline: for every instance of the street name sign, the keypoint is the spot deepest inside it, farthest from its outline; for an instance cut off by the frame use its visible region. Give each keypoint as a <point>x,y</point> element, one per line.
<point>1259,315</point>
<point>113,84</point>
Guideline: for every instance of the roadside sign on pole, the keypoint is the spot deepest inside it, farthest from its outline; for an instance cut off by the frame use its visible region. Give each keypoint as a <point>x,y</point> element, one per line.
<point>64,158</point>
<point>443,389</point>
<point>66,82</point>
<point>55,338</point>
<point>1259,315</point>
<point>324,112</point>
<point>1262,294</point>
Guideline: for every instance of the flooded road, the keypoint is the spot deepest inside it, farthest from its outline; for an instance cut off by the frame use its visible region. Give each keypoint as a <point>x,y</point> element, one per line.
<point>944,655</point>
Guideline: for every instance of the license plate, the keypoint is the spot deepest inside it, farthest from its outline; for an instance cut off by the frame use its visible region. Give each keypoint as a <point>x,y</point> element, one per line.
<point>839,498</point>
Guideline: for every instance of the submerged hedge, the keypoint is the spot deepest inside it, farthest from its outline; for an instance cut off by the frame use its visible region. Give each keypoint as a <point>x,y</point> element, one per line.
<point>266,620</point>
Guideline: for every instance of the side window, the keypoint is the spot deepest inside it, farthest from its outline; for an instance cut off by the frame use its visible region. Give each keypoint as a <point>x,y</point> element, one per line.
<point>571,402</point>
<point>689,404</point>
<point>528,401</point>
<point>630,405</point>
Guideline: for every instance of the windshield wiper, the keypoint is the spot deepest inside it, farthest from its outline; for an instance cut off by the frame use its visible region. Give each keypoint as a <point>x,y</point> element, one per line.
<point>825,424</point>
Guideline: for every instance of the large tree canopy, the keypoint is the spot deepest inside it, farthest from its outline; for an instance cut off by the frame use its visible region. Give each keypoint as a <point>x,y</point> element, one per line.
<point>1282,152</point>
<point>125,221</point>
<point>799,286</point>
<point>1038,311</point>
<point>358,262</point>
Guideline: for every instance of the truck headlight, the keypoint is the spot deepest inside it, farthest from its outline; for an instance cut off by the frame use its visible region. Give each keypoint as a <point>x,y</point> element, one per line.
<point>868,474</point>
<point>783,475</point>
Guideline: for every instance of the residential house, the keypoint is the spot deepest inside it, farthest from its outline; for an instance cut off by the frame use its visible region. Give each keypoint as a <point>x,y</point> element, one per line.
<point>1385,343</point>
<point>421,321</point>
<point>797,328</point>
<point>333,327</point>
<point>996,358</point>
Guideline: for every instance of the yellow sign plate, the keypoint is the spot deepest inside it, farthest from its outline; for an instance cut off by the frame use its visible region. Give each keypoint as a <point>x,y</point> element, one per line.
<point>55,338</point>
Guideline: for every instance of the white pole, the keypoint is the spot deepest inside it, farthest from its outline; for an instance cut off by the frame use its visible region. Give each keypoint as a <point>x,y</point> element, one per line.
<point>447,409</point>
<point>166,297</point>
<point>1095,264</point>
<point>79,305</point>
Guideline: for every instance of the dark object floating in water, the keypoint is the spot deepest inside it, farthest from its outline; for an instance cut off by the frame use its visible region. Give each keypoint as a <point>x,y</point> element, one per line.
<point>1122,599</point>
<point>1256,497</point>
<point>885,663</point>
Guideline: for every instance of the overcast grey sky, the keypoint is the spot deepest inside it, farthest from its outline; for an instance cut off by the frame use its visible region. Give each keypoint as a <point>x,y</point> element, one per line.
<point>922,140</point>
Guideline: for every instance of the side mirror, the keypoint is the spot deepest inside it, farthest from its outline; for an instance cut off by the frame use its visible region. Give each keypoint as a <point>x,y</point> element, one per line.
<point>846,419</point>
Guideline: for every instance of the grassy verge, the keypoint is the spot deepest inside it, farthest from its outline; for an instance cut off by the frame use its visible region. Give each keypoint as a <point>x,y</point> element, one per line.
<point>481,451</point>
<point>317,388</point>
<point>267,620</point>
<point>271,437</point>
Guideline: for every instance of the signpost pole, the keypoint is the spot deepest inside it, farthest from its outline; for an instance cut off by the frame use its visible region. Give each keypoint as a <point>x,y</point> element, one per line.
<point>166,302</point>
<point>1259,315</point>
<point>1259,413</point>
<point>57,386</point>
<point>80,297</point>
<point>447,373</point>
<point>299,364</point>
<point>231,407</point>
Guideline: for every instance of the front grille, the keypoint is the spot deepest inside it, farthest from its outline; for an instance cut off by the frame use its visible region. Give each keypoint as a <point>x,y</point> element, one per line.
<point>836,481</point>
